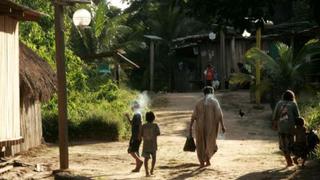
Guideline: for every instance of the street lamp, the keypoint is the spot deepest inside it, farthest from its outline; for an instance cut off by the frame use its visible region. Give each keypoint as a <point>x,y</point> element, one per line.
<point>61,76</point>
<point>81,17</point>
<point>260,22</point>
<point>212,36</point>
<point>246,34</point>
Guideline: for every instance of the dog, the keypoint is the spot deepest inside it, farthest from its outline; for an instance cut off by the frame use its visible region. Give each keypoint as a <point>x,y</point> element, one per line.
<point>312,141</point>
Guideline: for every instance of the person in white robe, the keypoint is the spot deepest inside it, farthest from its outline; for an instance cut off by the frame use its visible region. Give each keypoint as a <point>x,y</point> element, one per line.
<point>207,116</point>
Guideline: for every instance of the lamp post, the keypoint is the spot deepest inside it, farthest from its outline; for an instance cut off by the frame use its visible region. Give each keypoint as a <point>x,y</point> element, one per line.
<point>152,39</point>
<point>259,24</point>
<point>258,67</point>
<point>61,75</point>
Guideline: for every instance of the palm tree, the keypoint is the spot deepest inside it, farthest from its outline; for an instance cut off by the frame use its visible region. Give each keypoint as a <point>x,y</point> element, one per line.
<point>106,35</point>
<point>286,70</point>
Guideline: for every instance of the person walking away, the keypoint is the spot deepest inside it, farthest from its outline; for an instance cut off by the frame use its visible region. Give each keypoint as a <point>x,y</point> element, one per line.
<point>283,120</point>
<point>208,117</point>
<point>300,142</point>
<point>135,139</point>
<point>150,132</point>
<point>209,75</point>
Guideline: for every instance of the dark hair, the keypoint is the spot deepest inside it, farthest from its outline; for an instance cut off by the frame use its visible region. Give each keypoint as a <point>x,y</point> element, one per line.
<point>150,116</point>
<point>207,90</point>
<point>299,121</point>
<point>288,96</point>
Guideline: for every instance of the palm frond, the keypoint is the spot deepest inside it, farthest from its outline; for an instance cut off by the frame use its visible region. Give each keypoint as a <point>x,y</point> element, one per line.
<point>100,19</point>
<point>255,54</point>
<point>241,78</point>
<point>311,48</point>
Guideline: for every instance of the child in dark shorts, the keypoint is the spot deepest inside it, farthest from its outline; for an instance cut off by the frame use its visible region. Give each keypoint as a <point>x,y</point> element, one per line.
<point>135,139</point>
<point>300,142</point>
<point>149,134</point>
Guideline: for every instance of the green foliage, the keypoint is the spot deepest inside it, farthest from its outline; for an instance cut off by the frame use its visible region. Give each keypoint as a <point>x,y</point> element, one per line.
<point>310,110</point>
<point>95,104</point>
<point>286,70</point>
<point>105,105</point>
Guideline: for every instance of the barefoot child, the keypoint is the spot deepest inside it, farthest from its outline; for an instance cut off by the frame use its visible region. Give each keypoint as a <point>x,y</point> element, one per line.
<point>135,139</point>
<point>149,134</point>
<point>300,142</point>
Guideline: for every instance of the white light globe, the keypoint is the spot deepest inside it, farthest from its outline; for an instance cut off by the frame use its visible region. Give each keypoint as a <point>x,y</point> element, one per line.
<point>246,34</point>
<point>212,35</point>
<point>81,17</point>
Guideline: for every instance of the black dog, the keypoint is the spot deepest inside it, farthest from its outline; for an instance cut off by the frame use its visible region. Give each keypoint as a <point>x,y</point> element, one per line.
<point>312,141</point>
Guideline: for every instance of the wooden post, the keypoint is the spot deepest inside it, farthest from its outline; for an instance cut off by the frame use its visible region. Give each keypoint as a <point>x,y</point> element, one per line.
<point>62,95</point>
<point>222,59</point>
<point>151,64</point>
<point>233,53</point>
<point>118,74</point>
<point>258,67</point>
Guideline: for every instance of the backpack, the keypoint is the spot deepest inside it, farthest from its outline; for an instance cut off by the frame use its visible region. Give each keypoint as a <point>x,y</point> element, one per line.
<point>283,119</point>
<point>210,74</point>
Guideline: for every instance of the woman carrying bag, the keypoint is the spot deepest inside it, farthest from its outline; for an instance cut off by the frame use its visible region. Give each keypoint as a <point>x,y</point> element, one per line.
<point>208,116</point>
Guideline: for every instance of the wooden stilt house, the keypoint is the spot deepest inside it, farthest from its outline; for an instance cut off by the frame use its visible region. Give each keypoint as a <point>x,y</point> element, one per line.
<point>25,79</point>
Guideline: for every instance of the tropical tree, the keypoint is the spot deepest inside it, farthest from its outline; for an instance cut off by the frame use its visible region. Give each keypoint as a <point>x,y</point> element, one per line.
<point>285,69</point>
<point>168,20</point>
<point>107,34</point>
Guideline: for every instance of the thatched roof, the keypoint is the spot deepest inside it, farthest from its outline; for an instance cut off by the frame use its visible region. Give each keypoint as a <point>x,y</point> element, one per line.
<point>19,12</point>
<point>37,79</point>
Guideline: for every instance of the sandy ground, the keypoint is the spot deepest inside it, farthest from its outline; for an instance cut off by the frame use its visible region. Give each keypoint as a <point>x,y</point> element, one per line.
<point>248,150</point>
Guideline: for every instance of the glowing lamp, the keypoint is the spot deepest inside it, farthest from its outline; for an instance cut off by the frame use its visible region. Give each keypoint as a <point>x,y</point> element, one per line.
<point>81,17</point>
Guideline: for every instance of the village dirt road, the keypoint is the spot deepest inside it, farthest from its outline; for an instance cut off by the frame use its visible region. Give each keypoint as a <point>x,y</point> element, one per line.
<point>248,150</point>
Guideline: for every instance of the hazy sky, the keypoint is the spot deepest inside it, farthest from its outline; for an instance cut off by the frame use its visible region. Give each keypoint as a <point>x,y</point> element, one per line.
<point>118,3</point>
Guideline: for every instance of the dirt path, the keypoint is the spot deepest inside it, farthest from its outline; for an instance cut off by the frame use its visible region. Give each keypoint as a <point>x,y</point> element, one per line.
<point>247,151</point>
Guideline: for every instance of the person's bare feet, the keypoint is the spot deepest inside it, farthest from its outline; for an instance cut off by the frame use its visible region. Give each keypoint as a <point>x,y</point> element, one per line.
<point>289,165</point>
<point>208,163</point>
<point>138,167</point>
<point>151,171</point>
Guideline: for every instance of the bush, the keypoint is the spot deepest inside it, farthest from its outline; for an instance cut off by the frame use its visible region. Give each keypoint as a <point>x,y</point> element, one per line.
<point>91,115</point>
<point>101,126</point>
<point>310,110</point>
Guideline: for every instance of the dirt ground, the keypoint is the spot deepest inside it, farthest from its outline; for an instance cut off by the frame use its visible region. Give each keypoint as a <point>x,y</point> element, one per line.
<point>248,150</point>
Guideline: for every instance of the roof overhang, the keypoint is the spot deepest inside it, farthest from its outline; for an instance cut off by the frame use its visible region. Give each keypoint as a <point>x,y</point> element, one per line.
<point>19,12</point>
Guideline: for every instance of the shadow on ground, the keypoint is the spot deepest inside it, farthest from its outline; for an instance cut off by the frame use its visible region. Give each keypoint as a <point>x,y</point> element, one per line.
<point>186,170</point>
<point>310,172</point>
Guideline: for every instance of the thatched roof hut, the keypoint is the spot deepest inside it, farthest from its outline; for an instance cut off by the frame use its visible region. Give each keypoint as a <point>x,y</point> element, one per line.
<point>37,79</point>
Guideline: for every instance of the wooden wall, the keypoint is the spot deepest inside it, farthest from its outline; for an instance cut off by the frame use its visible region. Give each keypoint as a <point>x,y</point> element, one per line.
<point>16,121</point>
<point>31,127</point>
<point>9,82</point>
<point>235,50</point>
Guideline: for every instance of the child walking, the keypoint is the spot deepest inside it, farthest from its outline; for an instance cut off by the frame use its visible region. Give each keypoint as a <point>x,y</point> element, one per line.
<point>300,142</point>
<point>149,134</point>
<point>135,139</point>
